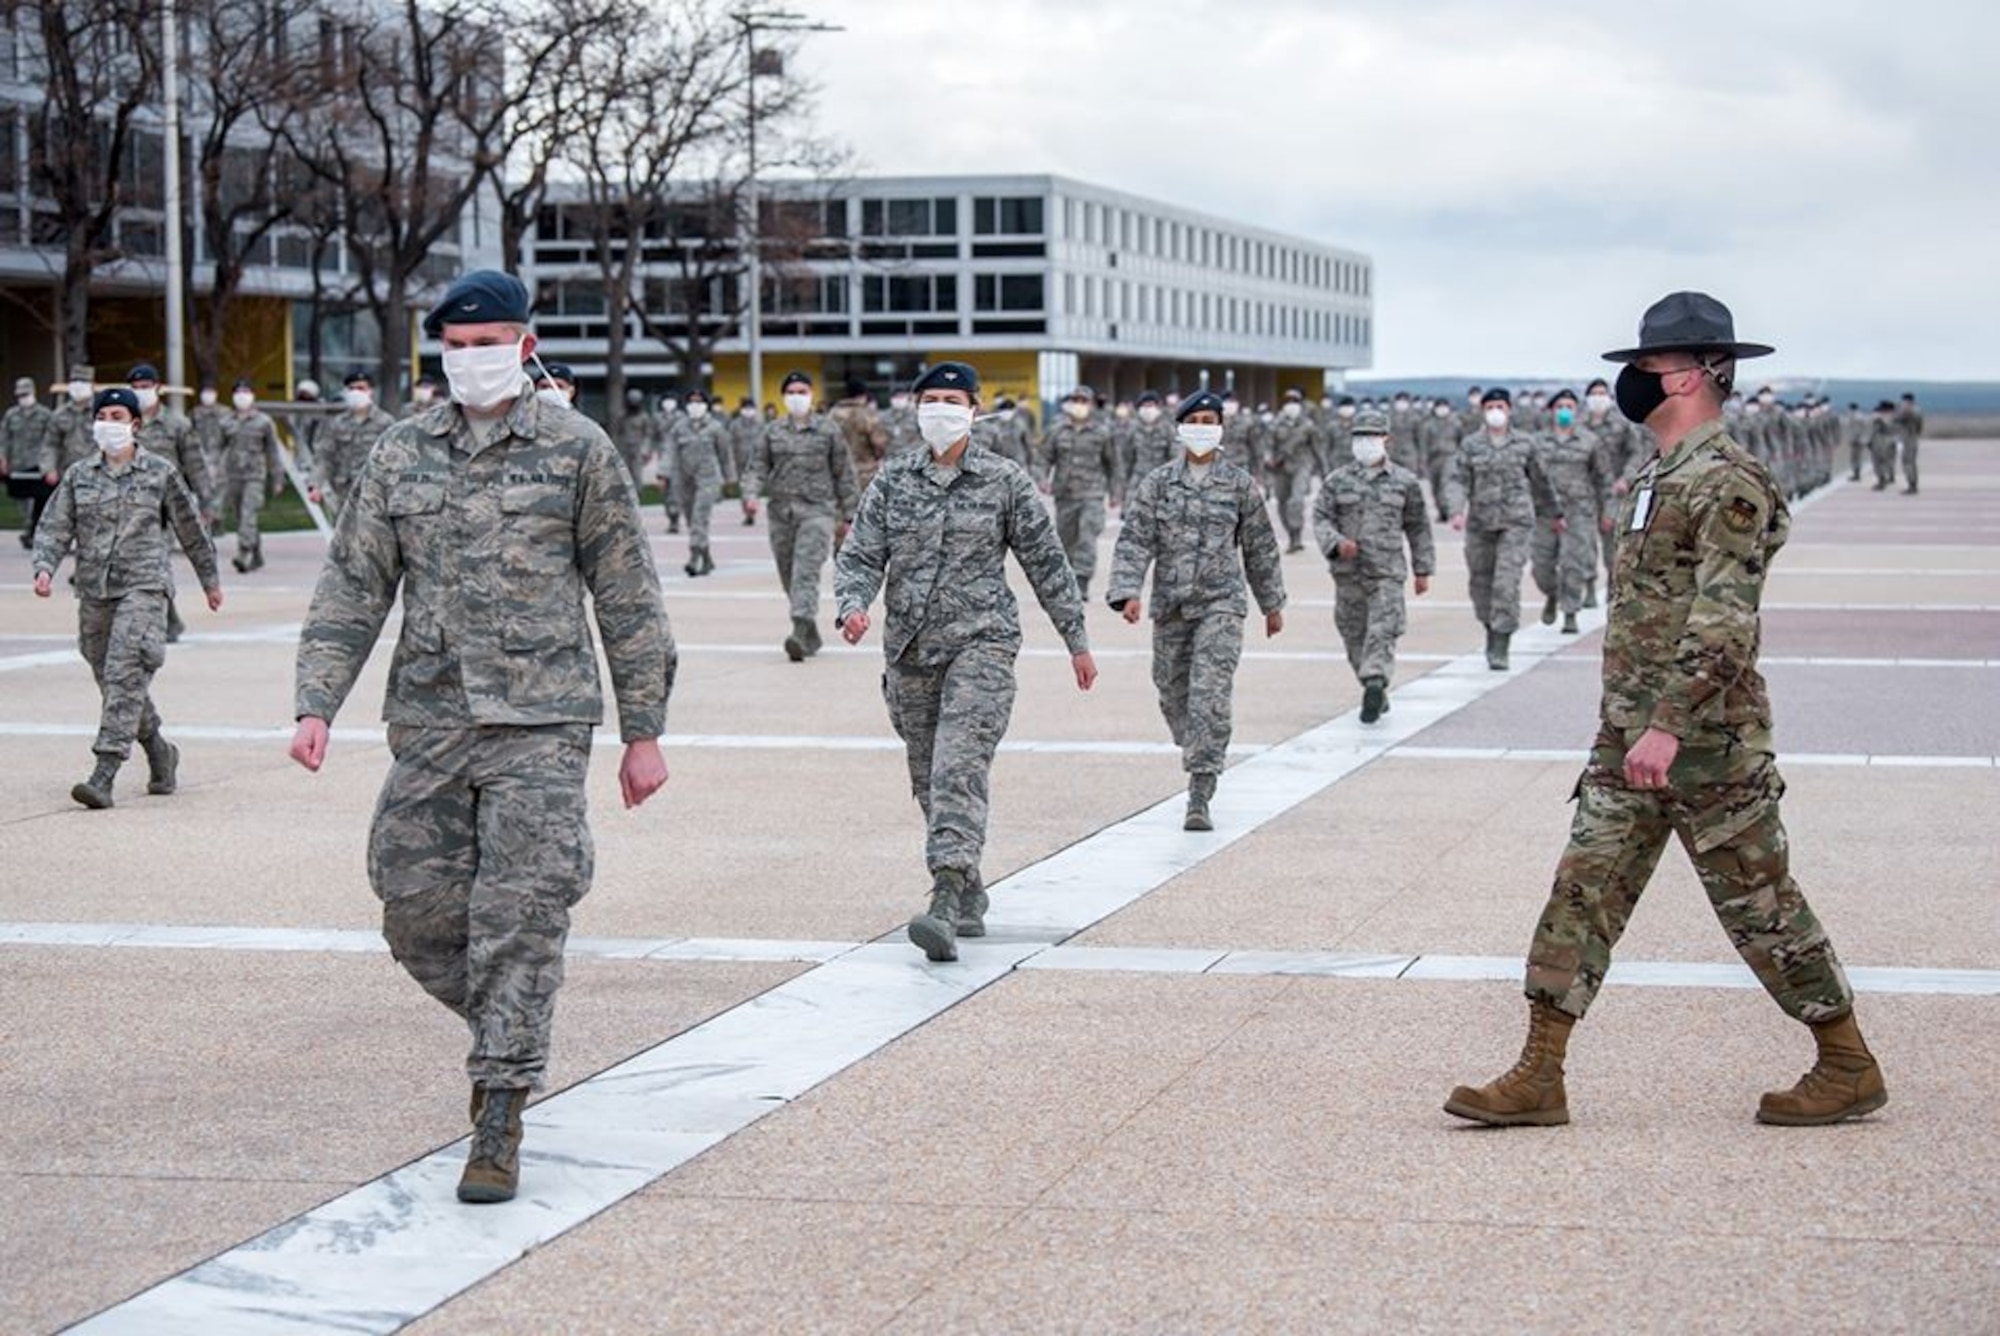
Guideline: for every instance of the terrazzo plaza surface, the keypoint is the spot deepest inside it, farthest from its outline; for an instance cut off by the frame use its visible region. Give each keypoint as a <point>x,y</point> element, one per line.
<point>1184,1086</point>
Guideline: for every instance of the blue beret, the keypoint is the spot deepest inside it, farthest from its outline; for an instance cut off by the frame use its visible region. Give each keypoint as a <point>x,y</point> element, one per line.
<point>948,376</point>
<point>1147,397</point>
<point>245,383</point>
<point>1561,395</point>
<point>1496,395</point>
<point>794,378</point>
<point>695,396</point>
<point>143,371</point>
<point>358,377</point>
<point>559,371</point>
<point>117,396</point>
<point>1207,401</point>
<point>482,297</point>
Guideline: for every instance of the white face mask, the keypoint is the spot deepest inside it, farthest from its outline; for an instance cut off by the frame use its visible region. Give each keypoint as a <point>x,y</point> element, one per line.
<point>79,391</point>
<point>899,401</point>
<point>1369,451</point>
<point>484,377</point>
<point>1597,403</point>
<point>798,405</point>
<point>697,410</point>
<point>25,400</point>
<point>1496,417</point>
<point>1006,415</point>
<point>1345,411</point>
<point>112,437</point>
<point>1402,405</point>
<point>1199,439</point>
<point>1293,409</point>
<point>243,400</point>
<point>358,399</point>
<point>149,399</point>
<point>943,425</point>
<point>422,396</point>
<point>1149,414</point>
<point>1077,409</point>
<point>1442,410</point>
<point>1230,408</point>
<point>670,405</point>
<point>553,396</point>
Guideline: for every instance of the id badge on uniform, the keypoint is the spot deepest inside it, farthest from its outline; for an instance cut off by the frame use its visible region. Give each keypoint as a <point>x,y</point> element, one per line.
<point>1642,508</point>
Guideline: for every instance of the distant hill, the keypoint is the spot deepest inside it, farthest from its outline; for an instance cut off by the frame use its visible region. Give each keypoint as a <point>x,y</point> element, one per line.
<point>1949,397</point>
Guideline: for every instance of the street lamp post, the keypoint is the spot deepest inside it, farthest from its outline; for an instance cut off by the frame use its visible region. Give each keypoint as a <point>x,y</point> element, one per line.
<point>170,94</point>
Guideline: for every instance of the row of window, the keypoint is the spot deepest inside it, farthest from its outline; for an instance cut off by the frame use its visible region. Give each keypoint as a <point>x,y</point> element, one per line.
<point>1120,229</point>
<point>1093,298</point>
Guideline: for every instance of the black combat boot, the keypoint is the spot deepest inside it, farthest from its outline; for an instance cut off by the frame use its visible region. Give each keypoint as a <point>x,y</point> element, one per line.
<point>972,906</point>
<point>707,562</point>
<point>1374,699</point>
<point>1496,649</point>
<point>493,1164</point>
<point>693,567</point>
<point>673,524</point>
<point>163,765</point>
<point>935,930</point>
<point>1201,788</point>
<point>1549,610</point>
<point>1569,627</point>
<point>813,643</point>
<point>95,792</point>
<point>1590,592</point>
<point>796,642</point>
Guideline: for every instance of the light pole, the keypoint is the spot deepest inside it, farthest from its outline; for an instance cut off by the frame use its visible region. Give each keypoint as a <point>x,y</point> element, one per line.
<point>754,21</point>
<point>170,93</point>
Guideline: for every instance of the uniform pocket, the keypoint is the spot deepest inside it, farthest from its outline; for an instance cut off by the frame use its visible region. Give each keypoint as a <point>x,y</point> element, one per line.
<point>415,498</point>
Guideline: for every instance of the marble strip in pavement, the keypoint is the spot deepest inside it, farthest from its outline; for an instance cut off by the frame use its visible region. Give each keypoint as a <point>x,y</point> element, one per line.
<point>1576,756</point>
<point>392,1249</point>
<point>198,937</point>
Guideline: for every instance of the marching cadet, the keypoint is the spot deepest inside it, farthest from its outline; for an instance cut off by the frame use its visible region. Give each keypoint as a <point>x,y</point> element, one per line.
<point>1149,442</point>
<point>423,395</point>
<point>1337,436</point>
<point>162,431</point>
<point>1855,426</point>
<point>493,515</point>
<point>1201,525</point>
<point>638,432</point>
<point>1564,552</point>
<point>861,428</point>
<point>802,467</point>
<point>1684,747</point>
<point>900,422</point>
<point>1083,471</point>
<point>1293,454</point>
<point>702,464</point>
<point>249,467</point>
<point>1005,432</point>
<point>1910,421</point>
<point>22,432</point>
<point>937,527</point>
<point>1440,436</point>
<point>345,441</point>
<point>1617,450</point>
<point>116,510</point>
<point>1406,438</point>
<point>1242,443</point>
<point>1882,438</point>
<point>1494,495</point>
<point>67,440</point>
<point>556,384</point>
<point>745,429</point>
<point>1368,511</point>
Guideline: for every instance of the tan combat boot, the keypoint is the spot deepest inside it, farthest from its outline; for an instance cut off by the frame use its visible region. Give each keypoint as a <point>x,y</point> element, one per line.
<point>493,1164</point>
<point>1844,1083</point>
<point>936,929</point>
<point>1531,1093</point>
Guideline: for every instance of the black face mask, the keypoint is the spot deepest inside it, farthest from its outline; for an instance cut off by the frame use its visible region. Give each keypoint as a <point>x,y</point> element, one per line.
<point>1638,393</point>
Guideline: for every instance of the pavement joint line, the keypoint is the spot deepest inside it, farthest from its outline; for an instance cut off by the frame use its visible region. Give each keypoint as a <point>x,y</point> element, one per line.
<point>1787,760</point>
<point>400,1245</point>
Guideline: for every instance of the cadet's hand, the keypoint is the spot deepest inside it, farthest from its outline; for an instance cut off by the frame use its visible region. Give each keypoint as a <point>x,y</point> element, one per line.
<point>1646,765</point>
<point>1086,670</point>
<point>308,740</point>
<point>1423,584</point>
<point>52,477</point>
<point>642,772</point>
<point>1133,610</point>
<point>1274,622</point>
<point>840,535</point>
<point>43,583</point>
<point>1620,487</point>
<point>1348,549</point>
<point>1559,525</point>
<point>312,495</point>
<point>215,600</point>
<point>1606,524</point>
<point>1458,522</point>
<point>854,628</point>
<point>1046,489</point>
<point>750,505</point>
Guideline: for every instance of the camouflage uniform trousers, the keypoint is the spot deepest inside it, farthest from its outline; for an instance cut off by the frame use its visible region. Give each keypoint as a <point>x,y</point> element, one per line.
<point>479,847</point>
<point>1724,809</point>
<point>1369,613</point>
<point>1079,524</point>
<point>1288,488</point>
<point>697,501</point>
<point>124,640</point>
<point>951,717</point>
<point>1495,558</point>
<point>1194,670</point>
<point>1565,562</point>
<point>801,544</point>
<point>243,499</point>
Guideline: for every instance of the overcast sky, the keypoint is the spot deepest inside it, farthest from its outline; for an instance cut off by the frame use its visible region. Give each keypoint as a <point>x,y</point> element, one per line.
<point>1527,175</point>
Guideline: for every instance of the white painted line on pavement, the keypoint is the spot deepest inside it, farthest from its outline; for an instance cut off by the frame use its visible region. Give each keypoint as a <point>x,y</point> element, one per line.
<point>1786,760</point>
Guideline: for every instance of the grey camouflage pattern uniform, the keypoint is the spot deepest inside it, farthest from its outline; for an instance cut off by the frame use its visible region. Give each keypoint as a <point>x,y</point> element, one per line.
<point>1148,445</point>
<point>340,451</point>
<point>1083,471</point>
<point>172,437</point>
<point>1680,654</point>
<point>66,440</point>
<point>802,466</point>
<point>249,445</point>
<point>1441,437</point>
<point>638,440</point>
<point>480,842</point>
<point>119,521</point>
<point>951,629</point>
<point>1380,510</point>
<point>1564,563</point>
<point>1006,436</point>
<point>1292,455</point>
<point>1202,537</point>
<point>1498,486</point>
<point>702,464</point>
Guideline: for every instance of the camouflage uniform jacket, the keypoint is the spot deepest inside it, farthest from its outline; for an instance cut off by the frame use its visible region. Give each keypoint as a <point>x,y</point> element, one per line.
<point>701,452</point>
<point>172,437</point>
<point>1440,436</point>
<point>1910,422</point>
<point>1380,509</point>
<point>1695,543</point>
<point>343,446</point>
<point>1200,537</point>
<point>1083,460</point>
<point>1006,437</point>
<point>940,536</point>
<point>901,426</point>
<point>867,440</point>
<point>1572,463</point>
<point>803,463</point>
<point>1498,484</point>
<point>119,519</point>
<point>638,433</point>
<point>1151,445</point>
<point>23,432</point>
<point>249,444</point>
<point>1406,440</point>
<point>67,441</point>
<point>1242,442</point>
<point>207,419</point>
<point>1293,446</point>
<point>493,546</point>
<point>1616,441</point>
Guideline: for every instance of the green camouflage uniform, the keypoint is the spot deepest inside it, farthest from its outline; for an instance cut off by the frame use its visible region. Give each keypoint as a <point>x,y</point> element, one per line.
<point>340,452</point>
<point>1202,536</point>
<point>1293,454</point>
<point>1381,510</point>
<point>802,466</point>
<point>867,440</point>
<point>1566,562</point>
<point>1498,486</point>
<point>118,520</point>
<point>702,464</point>
<point>1695,543</point>
<point>951,630</point>
<point>249,446</point>
<point>480,843</point>
<point>1083,470</point>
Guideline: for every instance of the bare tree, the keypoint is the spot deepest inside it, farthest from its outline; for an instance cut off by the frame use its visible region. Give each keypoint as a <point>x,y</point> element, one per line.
<point>101,60</point>
<point>547,108</point>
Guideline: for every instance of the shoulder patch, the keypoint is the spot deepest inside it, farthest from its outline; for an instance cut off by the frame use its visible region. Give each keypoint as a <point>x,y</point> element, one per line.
<point>1740,514</point>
